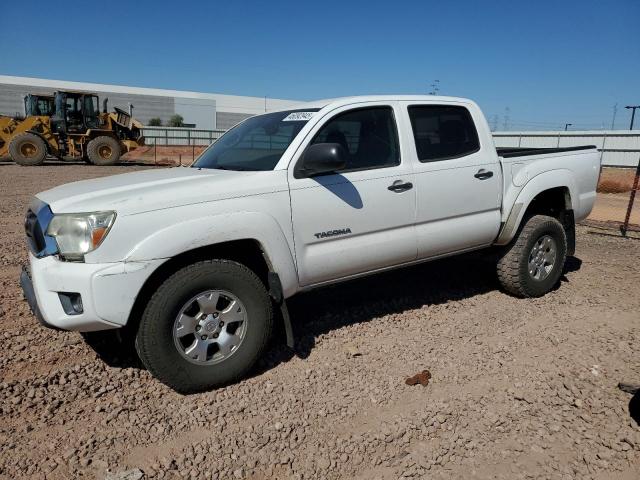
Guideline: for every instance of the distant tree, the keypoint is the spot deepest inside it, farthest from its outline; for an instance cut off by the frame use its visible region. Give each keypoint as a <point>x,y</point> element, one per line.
<point>155,122</point>
<point>176,121</point>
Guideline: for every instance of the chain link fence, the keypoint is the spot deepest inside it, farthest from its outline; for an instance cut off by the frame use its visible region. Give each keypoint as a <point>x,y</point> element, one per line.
<point>616,205</point>
<point>169,146</point>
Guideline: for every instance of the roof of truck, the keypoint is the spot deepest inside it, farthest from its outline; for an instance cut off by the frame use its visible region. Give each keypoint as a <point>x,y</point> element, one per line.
<point>378,98</point>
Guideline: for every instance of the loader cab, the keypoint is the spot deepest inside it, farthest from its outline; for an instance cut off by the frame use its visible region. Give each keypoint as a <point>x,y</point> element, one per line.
<point>38,105</point>
<point>75,112</point>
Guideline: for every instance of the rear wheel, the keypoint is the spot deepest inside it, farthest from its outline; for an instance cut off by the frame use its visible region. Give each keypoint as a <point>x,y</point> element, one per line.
<point>205,326</point>
<point>103,151</point>
<point>27,149</point>
<point>531,266</point>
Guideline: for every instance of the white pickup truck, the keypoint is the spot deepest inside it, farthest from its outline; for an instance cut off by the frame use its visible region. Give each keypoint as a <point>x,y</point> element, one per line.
<point>195,261</point>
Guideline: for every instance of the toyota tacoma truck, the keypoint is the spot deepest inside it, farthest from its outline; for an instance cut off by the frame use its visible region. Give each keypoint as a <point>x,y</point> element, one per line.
<point>197,263</point>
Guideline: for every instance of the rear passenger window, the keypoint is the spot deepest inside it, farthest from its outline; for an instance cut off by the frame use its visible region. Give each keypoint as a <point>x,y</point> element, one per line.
<point>442,132</point>
<point>368,135</point>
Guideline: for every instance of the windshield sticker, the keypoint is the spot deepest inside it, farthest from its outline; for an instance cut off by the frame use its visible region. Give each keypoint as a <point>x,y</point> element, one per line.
<point>298,117</point>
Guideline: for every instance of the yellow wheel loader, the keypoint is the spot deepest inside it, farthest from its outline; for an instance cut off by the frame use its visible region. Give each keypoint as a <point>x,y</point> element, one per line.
<point>68,125</point>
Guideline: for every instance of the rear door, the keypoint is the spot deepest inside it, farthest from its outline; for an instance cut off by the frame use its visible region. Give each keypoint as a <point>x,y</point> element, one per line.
<point>458,178</point>
<point>361,218</point>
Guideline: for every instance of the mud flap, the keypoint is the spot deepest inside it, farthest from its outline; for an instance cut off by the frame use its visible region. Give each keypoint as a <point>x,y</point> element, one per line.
<point>569,224</point>
<point>275,292</point>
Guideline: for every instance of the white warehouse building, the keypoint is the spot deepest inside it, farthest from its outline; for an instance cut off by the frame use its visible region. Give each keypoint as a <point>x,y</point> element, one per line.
<point>209,111</point>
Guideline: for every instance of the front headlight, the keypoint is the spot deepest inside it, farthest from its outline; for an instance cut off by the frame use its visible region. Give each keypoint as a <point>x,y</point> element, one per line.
<point>79,233</point>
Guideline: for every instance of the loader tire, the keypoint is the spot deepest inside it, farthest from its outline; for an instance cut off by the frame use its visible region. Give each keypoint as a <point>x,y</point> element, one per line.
<point>532,264</point>
<point>27,149</point>
<point>103,151</point>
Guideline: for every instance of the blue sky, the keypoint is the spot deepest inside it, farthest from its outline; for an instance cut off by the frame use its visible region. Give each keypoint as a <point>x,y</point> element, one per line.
<point>549,62</point>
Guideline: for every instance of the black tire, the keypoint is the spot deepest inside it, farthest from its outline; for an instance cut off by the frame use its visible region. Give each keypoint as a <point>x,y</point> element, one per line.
<point>103,151</point>
<point>155,340</point>
<point>514,272</point>
<point>27,149</point>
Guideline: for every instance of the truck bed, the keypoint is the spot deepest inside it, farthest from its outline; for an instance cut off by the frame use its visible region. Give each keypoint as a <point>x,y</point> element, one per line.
<point>509,152</point>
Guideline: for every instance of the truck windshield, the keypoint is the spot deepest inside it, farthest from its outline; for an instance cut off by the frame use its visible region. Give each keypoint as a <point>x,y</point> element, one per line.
<point>257,143</point>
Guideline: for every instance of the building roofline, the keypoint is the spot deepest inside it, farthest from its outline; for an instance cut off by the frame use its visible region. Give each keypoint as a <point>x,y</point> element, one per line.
<point>219,98</point>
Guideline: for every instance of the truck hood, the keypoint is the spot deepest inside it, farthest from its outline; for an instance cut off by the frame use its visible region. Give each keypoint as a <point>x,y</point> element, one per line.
<point>137,192</point>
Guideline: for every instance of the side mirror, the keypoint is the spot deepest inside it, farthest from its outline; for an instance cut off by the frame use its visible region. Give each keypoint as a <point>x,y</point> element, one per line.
<point>322,158</point>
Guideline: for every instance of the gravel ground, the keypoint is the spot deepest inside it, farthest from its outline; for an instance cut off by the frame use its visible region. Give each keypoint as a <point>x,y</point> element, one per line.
<point>613,207</point>
<point>519,388</point>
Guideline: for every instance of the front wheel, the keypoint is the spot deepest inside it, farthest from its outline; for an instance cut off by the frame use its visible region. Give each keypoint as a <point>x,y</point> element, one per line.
<point>531,266</point>
<point>103,151</point>
<point>205,326</point>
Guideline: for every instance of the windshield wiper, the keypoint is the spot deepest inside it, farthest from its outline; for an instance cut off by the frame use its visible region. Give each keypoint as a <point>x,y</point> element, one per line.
<point>236,169</point>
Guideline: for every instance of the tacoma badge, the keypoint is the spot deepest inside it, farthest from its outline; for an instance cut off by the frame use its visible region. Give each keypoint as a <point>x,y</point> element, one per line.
<point>333,233</point>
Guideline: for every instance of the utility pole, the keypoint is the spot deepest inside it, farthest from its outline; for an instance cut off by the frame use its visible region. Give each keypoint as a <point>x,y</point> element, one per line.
<point>435,87</point>
<point>613,120</point>
<point>494,123</point>
<point>633,113</point>
<point>505,123</point>
<point>567,125</point>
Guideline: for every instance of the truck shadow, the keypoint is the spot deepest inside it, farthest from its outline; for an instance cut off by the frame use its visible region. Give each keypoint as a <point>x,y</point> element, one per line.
<point>318,312</point>
<point>634,408</point>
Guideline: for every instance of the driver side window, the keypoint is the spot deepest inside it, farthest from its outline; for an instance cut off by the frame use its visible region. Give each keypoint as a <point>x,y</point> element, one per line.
<point>368,135</point>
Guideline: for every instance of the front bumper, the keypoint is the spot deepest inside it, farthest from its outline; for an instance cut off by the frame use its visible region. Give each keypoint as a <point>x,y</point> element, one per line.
<point>108,291</point>
<point>30,296</point>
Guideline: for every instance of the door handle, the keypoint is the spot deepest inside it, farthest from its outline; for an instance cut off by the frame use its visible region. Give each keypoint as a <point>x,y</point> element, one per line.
<point>399,186</point>
<point>483,174</point>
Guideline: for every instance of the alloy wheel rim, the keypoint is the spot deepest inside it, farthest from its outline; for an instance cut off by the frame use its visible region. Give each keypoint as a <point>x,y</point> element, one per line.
<point>210,327</point>
<point>542,257</point>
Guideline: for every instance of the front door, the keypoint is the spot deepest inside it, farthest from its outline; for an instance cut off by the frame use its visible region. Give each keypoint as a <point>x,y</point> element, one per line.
<point>74,116</point>
<point>361,218</point>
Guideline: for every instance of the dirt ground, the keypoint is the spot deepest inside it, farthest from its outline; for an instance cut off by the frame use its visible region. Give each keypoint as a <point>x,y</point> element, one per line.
<point>521,389</point>
<point>616,180</point>
<point>165,155</point>
<point>612,207</point>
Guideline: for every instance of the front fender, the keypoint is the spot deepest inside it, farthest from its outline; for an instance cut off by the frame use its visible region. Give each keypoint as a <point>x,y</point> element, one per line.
<point>536,185</point>
<point>194,233</point>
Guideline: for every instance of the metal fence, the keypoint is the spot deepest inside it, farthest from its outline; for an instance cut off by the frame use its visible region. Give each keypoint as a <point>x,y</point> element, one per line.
<point>619,148</point>
<point>174,136</point>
